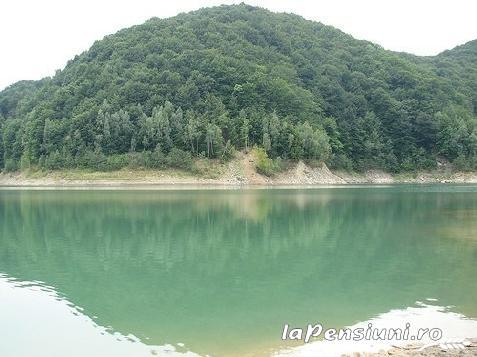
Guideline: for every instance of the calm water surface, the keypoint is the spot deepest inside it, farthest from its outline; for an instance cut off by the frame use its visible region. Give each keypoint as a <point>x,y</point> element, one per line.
<point>139,273</point>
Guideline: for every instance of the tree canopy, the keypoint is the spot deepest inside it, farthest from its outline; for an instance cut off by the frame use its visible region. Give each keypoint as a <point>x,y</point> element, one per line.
<point>202,83</point>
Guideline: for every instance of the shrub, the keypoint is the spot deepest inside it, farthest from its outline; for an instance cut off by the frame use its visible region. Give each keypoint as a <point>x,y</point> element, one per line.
<point>229,152</point>
<point>116,162</point>
<point>94,160</point>
<point>179,159</point>
<point>157,159</point>
<point>138,159</point>
<point>11,165</point>
<point>54,161</point>
<point>25,163</point>
<point>264,164</point>
<point>463,163</point>
<point>340,161</point>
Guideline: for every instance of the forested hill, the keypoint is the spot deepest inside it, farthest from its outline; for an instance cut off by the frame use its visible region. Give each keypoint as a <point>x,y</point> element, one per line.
<point>226,78</point>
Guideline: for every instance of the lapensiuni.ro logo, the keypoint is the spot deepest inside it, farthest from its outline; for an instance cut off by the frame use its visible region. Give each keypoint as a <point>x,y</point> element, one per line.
<point>369,333</point>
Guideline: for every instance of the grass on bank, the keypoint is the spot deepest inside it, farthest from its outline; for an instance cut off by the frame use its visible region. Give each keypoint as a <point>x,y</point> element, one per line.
<point>119,168</point>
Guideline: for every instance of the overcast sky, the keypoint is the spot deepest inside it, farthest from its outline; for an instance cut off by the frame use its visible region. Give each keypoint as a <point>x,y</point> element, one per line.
<point>38,37</point>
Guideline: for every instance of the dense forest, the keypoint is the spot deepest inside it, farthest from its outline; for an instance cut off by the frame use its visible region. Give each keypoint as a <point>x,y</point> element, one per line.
<point>210,82</point>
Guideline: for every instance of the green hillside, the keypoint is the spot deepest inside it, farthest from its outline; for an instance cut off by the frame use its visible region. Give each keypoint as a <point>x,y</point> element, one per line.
<point>226,78</point>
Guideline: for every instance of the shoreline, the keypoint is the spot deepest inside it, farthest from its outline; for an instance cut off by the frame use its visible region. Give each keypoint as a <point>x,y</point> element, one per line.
<point>237,173</point>
<point>52,180</point>
<point>209,187</point>
<point>463,347</point>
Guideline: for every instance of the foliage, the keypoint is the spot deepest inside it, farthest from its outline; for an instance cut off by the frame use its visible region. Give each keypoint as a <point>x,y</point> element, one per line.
<point>227,78</point>
<point>180,159</point>
<point>264,164</point>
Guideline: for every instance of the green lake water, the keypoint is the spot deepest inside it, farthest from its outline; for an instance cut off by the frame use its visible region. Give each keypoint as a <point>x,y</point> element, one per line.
<point>219,272</point>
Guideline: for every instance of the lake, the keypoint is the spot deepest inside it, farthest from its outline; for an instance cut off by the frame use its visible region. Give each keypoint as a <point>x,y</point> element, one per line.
<point>219,272</point>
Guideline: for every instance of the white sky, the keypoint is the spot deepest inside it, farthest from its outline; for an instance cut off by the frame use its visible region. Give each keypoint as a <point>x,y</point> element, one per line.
<point>38,37</point>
